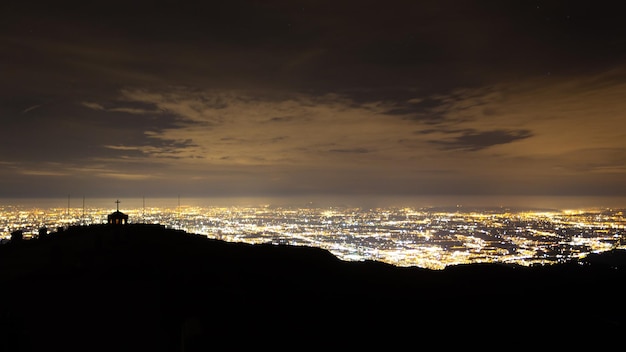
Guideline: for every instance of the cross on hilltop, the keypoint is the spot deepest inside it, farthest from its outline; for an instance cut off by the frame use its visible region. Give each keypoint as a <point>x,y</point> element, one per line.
<point>117,217</point>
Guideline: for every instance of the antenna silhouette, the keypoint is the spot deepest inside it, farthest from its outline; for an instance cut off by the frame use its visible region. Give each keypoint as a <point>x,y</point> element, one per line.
<point>143,210</point>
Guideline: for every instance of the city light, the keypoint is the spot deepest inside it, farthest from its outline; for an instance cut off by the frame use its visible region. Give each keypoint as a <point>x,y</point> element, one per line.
<point>429,238</point>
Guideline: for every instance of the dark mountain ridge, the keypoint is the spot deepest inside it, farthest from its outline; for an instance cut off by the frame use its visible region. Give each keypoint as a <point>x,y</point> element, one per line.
<point>145,287</point>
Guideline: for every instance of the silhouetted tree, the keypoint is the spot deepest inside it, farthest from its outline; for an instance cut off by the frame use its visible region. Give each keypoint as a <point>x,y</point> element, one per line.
<point>17,236</point>
<point>43,233</point>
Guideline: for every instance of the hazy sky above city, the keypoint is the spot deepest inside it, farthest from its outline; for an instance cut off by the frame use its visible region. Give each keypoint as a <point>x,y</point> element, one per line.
<point>273,98</point>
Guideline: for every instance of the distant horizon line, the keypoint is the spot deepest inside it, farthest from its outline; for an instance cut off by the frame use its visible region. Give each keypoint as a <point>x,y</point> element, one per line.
<point>516,201</point>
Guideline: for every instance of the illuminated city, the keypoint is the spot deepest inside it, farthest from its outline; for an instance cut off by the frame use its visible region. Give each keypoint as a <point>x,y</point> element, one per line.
<point>423,237</point>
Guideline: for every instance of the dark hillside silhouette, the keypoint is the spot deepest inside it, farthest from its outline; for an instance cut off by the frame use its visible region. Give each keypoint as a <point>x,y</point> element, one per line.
<point>147,288</point>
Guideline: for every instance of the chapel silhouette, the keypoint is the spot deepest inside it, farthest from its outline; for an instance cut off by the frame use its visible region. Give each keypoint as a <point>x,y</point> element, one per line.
<point>117,217</point>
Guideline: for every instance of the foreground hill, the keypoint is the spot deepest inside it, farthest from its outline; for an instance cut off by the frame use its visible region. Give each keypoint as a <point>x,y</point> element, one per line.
<point>147,288</point>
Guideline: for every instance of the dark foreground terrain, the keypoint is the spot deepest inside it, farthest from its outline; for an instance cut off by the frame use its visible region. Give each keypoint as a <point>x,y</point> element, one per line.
<point>147,288</point>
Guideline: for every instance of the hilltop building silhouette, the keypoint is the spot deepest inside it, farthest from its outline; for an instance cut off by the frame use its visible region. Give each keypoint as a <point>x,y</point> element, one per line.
<point>117,217</point>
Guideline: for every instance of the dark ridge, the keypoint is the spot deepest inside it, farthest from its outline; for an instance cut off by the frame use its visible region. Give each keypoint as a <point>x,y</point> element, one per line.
<point>147,288</point>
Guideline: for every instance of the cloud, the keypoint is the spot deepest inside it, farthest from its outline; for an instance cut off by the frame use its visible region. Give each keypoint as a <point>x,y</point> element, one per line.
<point>31,108</point>
<point>129,110</point>
<point>593,160</point>
<point>243,128</point>
<point>536,118</point>
<point>125,176</point>
<point>354,150</point>
<point>43,173</point>
<point>533,119</point>
<point>519,136</point>
<point>91,105</point>
<point>121,147</point>
<point>476,140</point>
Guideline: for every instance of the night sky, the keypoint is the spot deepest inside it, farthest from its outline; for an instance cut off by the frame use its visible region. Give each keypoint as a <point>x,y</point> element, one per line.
<point>275,98</point>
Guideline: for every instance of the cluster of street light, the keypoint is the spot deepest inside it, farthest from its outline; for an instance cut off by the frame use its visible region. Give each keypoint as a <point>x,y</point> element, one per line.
<point>423,237</point>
